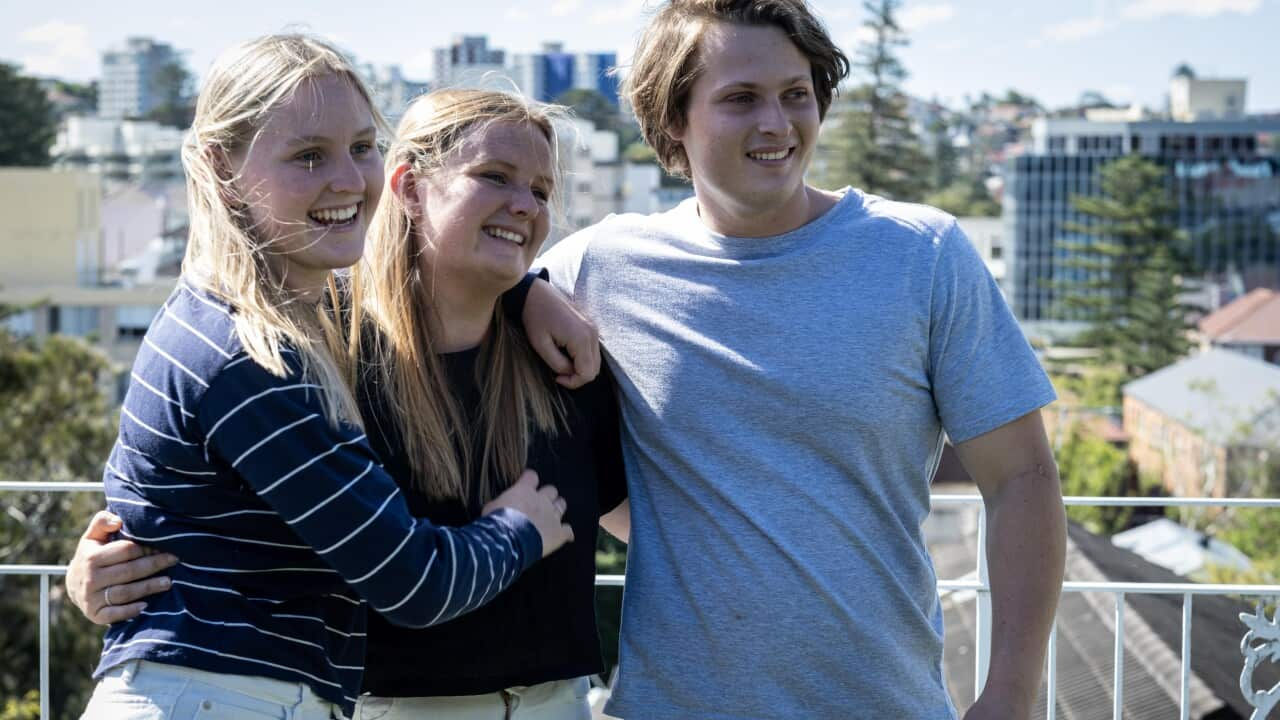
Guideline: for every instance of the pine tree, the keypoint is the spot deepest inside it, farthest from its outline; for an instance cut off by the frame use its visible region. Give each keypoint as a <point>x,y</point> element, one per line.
<point>27,125</point>
<point>869,142</point>
<point>1123,270</point>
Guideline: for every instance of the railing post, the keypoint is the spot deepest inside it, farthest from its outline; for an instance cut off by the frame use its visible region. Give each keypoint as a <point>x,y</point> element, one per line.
<point>1184,702</point>
<point>44,646</point>
<point>1117,707</point>
<point>1051,688</point>
<point>982,629</point>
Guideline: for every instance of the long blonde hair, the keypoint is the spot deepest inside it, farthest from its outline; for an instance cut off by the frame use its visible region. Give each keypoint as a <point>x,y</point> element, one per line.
<point>225,255</point>
<point>394,290</point>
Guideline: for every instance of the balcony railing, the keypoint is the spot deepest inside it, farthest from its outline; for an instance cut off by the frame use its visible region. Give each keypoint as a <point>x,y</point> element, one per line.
<point>981,587</point>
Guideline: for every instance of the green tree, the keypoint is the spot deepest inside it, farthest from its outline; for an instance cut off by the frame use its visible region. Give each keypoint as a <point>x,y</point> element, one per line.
<point>946,159</point>
<point>1124,267</point>
<point>57,425</point>
<point>1090,466</point>
<point>27,125</point>
<point>869,142</point>
<point>173,85</point>
<point>964,197</point>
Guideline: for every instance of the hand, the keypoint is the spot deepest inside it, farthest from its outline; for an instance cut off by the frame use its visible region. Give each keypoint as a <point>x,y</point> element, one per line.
<point>561,335</point>
<point>542,505</point>
<point>102,566</point>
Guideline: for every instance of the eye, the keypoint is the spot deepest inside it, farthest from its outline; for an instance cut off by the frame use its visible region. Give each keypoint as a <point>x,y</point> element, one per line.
<point>541,194</point>
<point>798,94</point>
<point>494,177</point>
<point>740,98</point>
<point>310,158</point>
<point>363,148</point>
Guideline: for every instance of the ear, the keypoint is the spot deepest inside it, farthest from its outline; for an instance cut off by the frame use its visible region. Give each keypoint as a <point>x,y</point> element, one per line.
<point>405,186</point>
<point>675,131</point>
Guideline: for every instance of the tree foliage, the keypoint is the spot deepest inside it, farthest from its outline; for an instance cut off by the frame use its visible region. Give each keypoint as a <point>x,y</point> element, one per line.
<point>173,85</point>
<point>1091,466</point>
<point>869,142</point>
<point>27,124</point>
<point>57,425</point>
<point>1123,269</point>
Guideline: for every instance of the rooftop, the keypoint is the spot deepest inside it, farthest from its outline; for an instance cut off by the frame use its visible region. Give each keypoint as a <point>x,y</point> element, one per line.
<point>1252,319</point>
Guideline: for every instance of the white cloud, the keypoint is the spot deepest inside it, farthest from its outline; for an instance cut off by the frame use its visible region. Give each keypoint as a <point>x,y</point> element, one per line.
<point>624,12</point>
<point>560,8</point>
<point>61,48</point>
<point>1074,30</point>
<point>515,13</point>
<point>1151,9</point>
<point>918,16</point>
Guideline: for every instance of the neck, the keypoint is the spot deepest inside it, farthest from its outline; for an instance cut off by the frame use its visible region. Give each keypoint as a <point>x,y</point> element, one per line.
<point>461,319</point>
<point>754,219</point>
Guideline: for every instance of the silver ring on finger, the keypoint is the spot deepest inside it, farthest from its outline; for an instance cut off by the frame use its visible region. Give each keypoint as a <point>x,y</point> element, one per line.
<point>107,595</point>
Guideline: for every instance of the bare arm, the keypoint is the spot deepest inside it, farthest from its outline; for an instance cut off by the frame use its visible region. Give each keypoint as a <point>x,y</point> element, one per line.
<point>1026,545</point>
<point>561,335</point>
<point>617,522</point>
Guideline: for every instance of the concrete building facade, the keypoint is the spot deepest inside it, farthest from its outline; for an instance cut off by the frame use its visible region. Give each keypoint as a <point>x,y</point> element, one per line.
<point>129,73</point>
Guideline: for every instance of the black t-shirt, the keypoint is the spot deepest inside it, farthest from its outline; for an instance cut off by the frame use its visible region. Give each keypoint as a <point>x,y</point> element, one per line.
<point>543,627</point>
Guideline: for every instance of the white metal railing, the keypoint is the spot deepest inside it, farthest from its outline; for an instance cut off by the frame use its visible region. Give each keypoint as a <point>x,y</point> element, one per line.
<point>981,587</point>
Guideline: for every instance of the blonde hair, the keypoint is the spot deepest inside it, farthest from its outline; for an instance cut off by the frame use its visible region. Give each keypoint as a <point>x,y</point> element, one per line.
<point>667,62</point>
<point>225,255</point>
<point>395,291</point>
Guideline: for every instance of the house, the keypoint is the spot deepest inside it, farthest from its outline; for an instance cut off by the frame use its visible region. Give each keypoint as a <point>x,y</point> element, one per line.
<point>1250,325</point>
<point>1208,425</point>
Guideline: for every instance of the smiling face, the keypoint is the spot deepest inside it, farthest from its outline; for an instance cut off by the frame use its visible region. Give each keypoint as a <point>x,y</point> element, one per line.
<point>482,217</point>
<point>311,179</point>
<point>749,129</point>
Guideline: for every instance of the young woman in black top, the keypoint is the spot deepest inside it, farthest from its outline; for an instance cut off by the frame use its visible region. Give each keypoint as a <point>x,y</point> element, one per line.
<point>453,398</point>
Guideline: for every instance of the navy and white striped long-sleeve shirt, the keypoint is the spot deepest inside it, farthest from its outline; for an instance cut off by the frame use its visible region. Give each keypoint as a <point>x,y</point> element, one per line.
<point>283,525</point>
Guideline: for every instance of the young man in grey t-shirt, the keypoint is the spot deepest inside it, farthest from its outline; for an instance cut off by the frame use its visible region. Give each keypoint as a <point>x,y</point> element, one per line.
<point>789,360</point>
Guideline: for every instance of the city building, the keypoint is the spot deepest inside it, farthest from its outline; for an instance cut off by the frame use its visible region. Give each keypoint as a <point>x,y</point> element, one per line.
<point>1192,98</point>
<point>392,91</point>
<point>128,88</point>
<point>547,74</point>
<point>1207,425</point>
<point>987,236</point>
<point>1226,183</point>
<point>122,151</point>
<point>470,62</point>
<point>55,261</point>
<point>1249,324</point>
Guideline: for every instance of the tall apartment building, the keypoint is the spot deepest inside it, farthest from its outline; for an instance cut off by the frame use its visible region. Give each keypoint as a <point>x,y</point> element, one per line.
<point>545,75</point>
<point>128,86</point>
<point>1193,98</point>
<point>392,91</point>
<point>470,62</point>
<point>1225,181</point>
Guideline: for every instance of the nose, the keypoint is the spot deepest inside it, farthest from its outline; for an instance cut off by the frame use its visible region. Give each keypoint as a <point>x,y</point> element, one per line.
<point>772,119</point>
<point>347,177</point>
<point>522,203</point>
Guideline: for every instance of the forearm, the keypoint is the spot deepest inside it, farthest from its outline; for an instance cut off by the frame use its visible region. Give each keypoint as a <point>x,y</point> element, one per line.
<point>1026,546</point>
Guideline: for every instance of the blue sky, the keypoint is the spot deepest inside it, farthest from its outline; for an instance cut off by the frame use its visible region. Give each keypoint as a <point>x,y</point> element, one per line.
<point>1124,48</point>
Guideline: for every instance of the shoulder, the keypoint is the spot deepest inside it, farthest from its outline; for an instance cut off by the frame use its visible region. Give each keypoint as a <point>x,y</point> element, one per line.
<point>190,340</point>
<point>907,221</point>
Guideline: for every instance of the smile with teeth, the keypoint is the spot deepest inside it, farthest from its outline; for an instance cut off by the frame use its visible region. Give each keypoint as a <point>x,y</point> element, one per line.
<point>779,155</point>
<point>504,234</point>
<point>334,216</point>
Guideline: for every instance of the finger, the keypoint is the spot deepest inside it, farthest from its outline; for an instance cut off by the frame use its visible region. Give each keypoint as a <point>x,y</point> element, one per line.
<point>115,552</point>
<point>562,505</point>
<point>529,478</point>
<point>551,354</point>
<point>101,527</point>
<point>117,613</point>
<point>550,492</point>
<point>586,357</point>
<point>130,572</point>
<point>568,531</point>
<point>132,592</point>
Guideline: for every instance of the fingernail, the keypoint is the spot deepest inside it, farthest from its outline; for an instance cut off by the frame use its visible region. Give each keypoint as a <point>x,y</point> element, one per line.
<point>165,582</point>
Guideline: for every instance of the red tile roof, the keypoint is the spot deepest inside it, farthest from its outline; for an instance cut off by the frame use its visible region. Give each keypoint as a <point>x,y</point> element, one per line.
<point>1252,319</point>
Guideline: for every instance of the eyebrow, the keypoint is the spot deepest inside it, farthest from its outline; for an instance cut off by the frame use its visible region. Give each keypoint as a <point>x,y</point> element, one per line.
<point>794,80</point>
<point>321,139</point>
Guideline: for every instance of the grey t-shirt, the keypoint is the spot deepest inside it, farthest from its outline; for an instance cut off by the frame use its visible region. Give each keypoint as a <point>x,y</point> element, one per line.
<point>783,406</point>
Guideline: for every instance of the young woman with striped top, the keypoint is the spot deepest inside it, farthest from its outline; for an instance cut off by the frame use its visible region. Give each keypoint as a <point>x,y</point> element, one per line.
<point>241,449</point>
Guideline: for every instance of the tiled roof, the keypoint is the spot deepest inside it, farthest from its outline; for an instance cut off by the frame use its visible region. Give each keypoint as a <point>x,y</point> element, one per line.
<point>1153,632</point>
<point>1231,398</point>
<point>1251,319</point>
